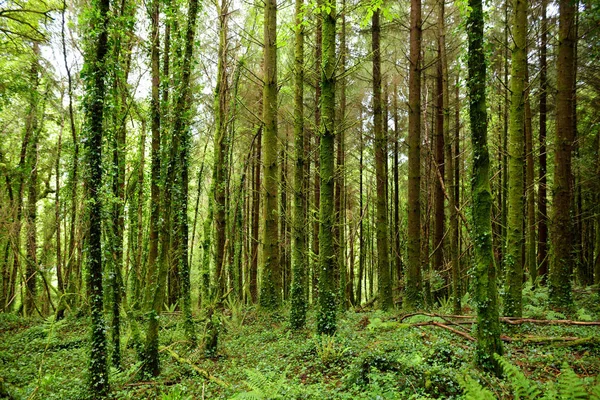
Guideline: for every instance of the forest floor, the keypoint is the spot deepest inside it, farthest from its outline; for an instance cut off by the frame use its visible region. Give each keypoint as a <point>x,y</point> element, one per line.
<point>373,356</point>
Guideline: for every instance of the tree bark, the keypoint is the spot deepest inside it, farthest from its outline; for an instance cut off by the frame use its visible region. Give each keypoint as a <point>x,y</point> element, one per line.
<point>484,270</point>
<point>270,290</point>
<point>413,295</point>
<point>326,314</point>
<point>513,259</point>
<point>561,234</point>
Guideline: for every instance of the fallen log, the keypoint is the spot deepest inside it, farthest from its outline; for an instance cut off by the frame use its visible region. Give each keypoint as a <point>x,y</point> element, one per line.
<point>444,326</point>
<point>507,320</point>
<point>199,370</point>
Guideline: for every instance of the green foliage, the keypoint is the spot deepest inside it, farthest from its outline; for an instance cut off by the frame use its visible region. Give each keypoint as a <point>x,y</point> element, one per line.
<point>263,386</point>
<point>329,349</point>
<point>523,387</point>
<point>474,390</point>
<point>568,387</point>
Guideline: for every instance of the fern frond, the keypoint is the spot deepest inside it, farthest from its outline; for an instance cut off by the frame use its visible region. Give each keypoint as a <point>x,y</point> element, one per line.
<point>474,390</point>
<point>523,388</point>
<point>570,387</point>
<point>595,392</point>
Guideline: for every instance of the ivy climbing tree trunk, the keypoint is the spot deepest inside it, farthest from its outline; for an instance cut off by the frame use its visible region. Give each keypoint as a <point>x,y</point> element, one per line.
<point>94,75</point>
<point>299,266</point>
<point>513,259</point>
<point>484,270</point>
<point>326,314</point>
<point>219,184</point>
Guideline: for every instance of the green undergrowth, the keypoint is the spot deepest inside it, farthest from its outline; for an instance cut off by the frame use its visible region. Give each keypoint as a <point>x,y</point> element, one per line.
<point>374,355</point>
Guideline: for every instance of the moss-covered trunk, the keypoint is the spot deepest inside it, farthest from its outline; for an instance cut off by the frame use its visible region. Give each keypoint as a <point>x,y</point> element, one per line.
<point>326,318</point>
<point>562,259</point>
<point>299,266</point>
<point>270,289</point>
<point>383,270</point>
<point>513,259</point>
<point>484,269</point>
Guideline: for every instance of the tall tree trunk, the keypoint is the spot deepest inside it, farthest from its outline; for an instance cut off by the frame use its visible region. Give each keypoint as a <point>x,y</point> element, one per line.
<point>181,148</point>
<point>484,270</point>
<point>270,290</point>
<point>340,191</point>
<point>361,216</point>
<point>154,273</point>
<point>317,137</point>
<point>326,316</point>
<point>221,141</point>
<point>513,259</point>
<point>255,220</point>
<point>396,224</point>
<point>299,266</point>
<point>530,261</point>
<point>439,146</point>
<point>95,88</point>
<point>542,250</point>
<point>561,234</point>
<point>155,116</point>
<point>413,294</point>
<point>31,172</point>
<point>453,185</point>
<point>383,271</point>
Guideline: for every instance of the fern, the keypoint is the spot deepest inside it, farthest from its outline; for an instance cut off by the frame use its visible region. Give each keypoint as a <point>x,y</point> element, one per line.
<point>523,387</point>
<point>595,392</point>
<point>570,387</point>
<point>262,387</point>
<point>474,391</point>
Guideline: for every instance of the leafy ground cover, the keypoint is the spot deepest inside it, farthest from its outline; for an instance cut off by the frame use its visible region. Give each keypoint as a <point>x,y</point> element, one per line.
<point>373,356</point>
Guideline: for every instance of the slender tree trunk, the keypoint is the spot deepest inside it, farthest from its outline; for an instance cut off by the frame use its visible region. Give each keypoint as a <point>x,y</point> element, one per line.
<point>453,185</point>
<point>383,272</point>
<point>221,141</point>
<point>299,243</point>
<point>361,215</point>
<point>542,250</point>
<point>561,235</point>
<point>270,290</point>
<point>484,270</point>
<point>513,259</point>
<point>154,272</point>
<point>326,315</point>
<point>317,137</point>
<point>255,220</point>
<point>413,295</point>
<point>439,146</point>
<point>396,227</point>
<point>340,190</point>
<point>530,261</point>
<point>31,173</point>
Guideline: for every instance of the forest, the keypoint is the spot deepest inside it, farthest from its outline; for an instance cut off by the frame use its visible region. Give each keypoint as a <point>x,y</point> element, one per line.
<point>303,199</point>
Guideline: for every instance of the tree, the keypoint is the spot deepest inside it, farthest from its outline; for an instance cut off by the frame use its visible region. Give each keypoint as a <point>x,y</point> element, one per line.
<point>95,89</point>
<point>383,269</point>
<point>413,295</point>
<point>326,315</point>
<point>562,259</point>
<point>542,249</point>
<point>484,269</point>
<point>270,290</point>
<point>299,266</point>
<point>513,258</point>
